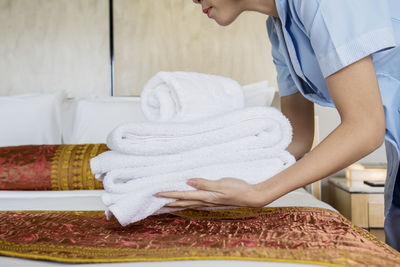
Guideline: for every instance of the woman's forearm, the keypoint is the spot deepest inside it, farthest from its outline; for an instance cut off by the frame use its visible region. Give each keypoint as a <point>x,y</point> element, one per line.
<point>347,144</point>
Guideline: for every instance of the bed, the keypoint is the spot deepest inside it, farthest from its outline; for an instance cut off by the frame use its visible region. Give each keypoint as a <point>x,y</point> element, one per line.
<point>300,204</point>
<point>51,209</point>
<point>295,230</point>
<point>90,200</point>
<point>47,192</point>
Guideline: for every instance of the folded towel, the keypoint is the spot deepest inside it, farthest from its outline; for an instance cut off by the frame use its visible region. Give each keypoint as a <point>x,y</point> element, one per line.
<point>140,167</point>
<point>188,96</point>
<point>149,157</point>
<point>121,176</point>
<point>151,139</point>
<point>133,200</point>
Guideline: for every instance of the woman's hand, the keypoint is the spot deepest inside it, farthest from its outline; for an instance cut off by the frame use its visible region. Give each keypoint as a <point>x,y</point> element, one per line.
<point>222,192</point>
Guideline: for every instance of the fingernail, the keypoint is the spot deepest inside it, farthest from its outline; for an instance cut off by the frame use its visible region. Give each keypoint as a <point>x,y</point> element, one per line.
<point>192,182</point>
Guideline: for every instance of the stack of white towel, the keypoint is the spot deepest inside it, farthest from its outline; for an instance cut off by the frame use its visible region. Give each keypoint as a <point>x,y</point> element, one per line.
<point>198,127</point>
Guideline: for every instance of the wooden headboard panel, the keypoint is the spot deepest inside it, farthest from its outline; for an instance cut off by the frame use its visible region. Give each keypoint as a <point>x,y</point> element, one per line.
<point>171,35</point>
<point>49,45</point>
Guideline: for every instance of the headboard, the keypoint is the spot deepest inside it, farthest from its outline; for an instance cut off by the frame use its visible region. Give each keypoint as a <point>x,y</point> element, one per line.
<point>50,45</point>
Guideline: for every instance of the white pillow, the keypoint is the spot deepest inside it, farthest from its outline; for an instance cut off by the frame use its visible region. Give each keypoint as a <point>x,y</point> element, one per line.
<point>90,120</point>
<point>258,94</point>
<point>30,119</point>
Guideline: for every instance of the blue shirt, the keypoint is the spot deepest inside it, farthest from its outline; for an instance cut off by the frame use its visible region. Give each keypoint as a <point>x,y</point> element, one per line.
<point>312,39</point>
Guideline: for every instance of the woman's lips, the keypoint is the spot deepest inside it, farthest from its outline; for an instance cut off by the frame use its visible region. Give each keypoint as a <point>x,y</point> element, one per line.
<point>207,11</point>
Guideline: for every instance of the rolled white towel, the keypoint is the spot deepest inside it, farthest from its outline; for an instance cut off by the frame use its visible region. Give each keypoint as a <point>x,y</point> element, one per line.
<point>152,139</point>
<point>188,96</point>
<point>133,200</point>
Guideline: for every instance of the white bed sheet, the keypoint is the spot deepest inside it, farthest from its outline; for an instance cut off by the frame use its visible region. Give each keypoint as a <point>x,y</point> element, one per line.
<point>90,200</point>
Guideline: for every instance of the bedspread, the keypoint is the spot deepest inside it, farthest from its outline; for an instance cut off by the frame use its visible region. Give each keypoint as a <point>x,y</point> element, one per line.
<point>291,234</point>
<point>49,167</point>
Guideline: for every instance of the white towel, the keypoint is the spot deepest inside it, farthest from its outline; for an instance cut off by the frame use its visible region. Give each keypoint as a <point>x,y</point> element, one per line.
<point>187,163</point>
<point>151,139</point>
<point>140,166</point>
<point>133,200</point>
<point>147,157</point>
<point>188,96</point>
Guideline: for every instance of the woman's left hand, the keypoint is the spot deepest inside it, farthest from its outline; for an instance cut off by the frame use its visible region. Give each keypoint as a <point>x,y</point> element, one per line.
<point>222,192</point>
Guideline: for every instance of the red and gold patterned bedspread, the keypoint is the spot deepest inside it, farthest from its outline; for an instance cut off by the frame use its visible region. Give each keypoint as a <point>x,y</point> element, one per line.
<point>49,167</point>
<point>303,235</point>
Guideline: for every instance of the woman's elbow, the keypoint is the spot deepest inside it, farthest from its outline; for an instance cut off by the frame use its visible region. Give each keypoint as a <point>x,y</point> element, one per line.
<point>376,135</point>
<point>369,134</point>
<point>379,138</point>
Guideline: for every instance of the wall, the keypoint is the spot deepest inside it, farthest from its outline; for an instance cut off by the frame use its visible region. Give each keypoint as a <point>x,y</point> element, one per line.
<point>171,35</point>
<point>49,45</point>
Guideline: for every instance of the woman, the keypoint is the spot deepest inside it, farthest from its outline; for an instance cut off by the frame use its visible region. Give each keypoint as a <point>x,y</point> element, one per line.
<point>342,54</point>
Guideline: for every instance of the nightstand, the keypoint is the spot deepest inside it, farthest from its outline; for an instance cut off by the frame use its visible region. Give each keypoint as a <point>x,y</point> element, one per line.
<point>362,204</point>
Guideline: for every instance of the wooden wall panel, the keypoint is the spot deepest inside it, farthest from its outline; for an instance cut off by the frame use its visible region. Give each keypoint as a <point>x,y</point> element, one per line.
<point>47,45</point>
<point>171,35</point>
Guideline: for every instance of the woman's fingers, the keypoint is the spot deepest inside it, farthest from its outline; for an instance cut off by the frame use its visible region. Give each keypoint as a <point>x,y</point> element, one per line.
<point>189,204</point>
<point>225,191</point>
<point>198,195</point>
<point>204,184</point>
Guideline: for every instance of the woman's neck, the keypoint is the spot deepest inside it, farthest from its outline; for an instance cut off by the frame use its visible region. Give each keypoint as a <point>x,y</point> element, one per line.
<point>267,7</point>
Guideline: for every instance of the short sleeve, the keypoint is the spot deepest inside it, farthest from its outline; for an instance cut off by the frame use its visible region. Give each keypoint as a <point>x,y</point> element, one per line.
<point>286,84</point>
<point>342,32</point>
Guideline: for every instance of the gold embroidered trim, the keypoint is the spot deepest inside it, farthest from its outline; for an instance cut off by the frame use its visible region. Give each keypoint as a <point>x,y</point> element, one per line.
<point>80,254</point>
<point>70,167</point>
<point>54,169</point>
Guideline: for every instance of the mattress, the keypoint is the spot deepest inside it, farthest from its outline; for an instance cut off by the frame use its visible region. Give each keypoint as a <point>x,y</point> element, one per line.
<point>90,200</point>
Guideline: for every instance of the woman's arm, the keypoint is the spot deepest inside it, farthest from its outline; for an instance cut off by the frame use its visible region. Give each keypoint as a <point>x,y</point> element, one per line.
<point>300,113</point>
<point>355,92</point>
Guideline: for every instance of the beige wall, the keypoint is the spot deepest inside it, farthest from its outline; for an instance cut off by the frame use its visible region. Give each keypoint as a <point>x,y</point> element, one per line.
<point>171,35</point>
<point>48,45</point>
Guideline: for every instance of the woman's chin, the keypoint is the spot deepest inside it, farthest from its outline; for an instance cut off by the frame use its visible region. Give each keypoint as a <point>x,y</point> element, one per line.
<point>224,22</point>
